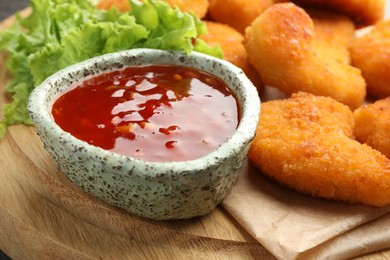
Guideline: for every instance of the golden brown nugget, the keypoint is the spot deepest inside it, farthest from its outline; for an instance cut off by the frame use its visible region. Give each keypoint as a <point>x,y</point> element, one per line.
<point>305,143</point>
<point>239,14</point>
<point>363,12</point>
<point>333,33</point>
<point>372,125</point>
<point>121,5</point>
<point>283,47</point>
<point>371,54</point>
<point>231,43</point>
<point>198,7</point>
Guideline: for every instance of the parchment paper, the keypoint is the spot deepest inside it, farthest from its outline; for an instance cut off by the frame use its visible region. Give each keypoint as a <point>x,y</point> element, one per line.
<point>295,226</point>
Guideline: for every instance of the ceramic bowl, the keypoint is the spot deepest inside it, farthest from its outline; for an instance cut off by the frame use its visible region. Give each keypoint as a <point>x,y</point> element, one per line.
<point>156,190</point>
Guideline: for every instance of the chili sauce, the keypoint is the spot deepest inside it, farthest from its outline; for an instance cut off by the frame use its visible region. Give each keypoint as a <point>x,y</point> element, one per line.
<point>156,113</point>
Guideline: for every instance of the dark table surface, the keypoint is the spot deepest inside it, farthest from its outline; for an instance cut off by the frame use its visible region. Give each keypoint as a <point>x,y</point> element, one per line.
<point>7,8</point>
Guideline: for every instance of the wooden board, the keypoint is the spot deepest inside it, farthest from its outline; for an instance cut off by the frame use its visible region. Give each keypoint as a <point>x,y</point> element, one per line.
<point>44,216</point>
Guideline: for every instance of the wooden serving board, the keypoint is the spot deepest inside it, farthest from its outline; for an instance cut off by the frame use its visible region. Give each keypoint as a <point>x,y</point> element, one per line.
<point>44,216</point>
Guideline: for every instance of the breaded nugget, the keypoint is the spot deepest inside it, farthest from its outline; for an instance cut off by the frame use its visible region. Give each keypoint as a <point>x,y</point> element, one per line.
<point>372,125</point>
<point>363,12</point>
<point>282,46</point>
<point>198,7</point>
<point>231,43</point>
<point>304,142</point>
<point>237,13</point>
<point>333,33</point>
<point>371,54</point>
<point>121,5</point>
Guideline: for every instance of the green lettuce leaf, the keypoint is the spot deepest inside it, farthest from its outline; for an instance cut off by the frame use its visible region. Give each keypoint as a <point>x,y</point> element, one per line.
<point>59,33</point>
<point>18,108</point>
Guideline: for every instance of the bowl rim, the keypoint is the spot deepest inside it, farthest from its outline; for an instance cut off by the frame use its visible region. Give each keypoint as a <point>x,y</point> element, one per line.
<point>38,109</point>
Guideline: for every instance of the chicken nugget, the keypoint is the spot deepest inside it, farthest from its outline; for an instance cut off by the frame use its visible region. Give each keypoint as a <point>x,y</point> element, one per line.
<point>198,7</point>
<point>372,125</point>
<point>231,43</point>
<point>305,143</point>
<point>283,47</point>
<point>121,5</point>
<point>333,33</point>
<point>363,12</point>
<point>237,13</point>
<point>371,54</point>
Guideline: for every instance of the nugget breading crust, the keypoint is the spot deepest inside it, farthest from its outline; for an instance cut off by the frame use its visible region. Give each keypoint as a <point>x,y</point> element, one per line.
<point>371,54</point>
<point>333,33</point>
<point>372,125</point>
<point>305,142</point>
<point>198,7</point>
<point>231,43</point>
<point>363,12</point>
<point>237,13</point>
<point>282,46</point>
<point>122,5</point>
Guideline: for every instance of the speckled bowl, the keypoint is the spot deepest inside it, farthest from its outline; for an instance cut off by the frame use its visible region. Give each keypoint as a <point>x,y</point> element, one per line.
<point>156,190</point>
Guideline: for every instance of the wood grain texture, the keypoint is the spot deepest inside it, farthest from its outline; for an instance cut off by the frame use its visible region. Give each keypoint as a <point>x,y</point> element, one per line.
<point>44,216</point>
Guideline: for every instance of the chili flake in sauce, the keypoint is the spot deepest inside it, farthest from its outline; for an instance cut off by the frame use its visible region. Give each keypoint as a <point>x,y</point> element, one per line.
<point>155,113</point>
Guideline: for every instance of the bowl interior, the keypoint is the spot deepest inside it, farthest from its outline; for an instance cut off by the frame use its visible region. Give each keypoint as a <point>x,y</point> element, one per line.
<point>42,97</point>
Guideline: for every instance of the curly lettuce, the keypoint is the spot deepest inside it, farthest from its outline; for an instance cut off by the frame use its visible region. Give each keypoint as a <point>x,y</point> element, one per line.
<point>59,33</point>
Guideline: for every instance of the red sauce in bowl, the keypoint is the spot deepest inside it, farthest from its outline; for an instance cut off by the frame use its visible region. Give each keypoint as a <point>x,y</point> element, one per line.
<point>155,113</point>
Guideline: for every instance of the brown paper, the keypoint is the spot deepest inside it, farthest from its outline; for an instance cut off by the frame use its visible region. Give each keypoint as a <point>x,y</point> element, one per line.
<point>291,225</point>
